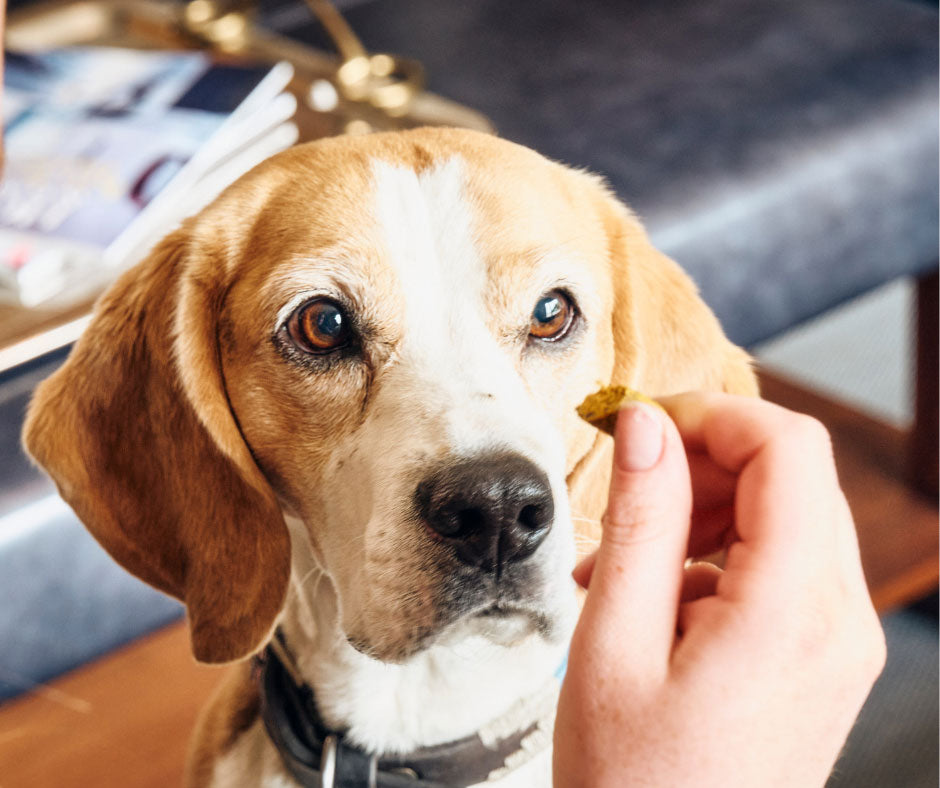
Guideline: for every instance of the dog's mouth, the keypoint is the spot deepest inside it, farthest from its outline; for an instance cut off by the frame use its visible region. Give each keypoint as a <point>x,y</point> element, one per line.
<point>507,624</point>
<point>449,600</point>
<point>502,619</point>
<point>501,611</point>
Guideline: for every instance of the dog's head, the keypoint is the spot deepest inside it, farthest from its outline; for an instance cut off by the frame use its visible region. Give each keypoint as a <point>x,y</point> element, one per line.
<point>386,338</point>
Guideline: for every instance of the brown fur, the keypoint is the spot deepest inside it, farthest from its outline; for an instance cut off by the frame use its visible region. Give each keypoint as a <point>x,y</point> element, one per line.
<point>174,421</point>
<point>666,341</point>
<point>130,452</point>
<point>234,707</point>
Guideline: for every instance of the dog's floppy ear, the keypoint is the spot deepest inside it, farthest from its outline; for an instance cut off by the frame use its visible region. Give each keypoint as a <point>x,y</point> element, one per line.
<point>136,431</point>
<point>666,339</point>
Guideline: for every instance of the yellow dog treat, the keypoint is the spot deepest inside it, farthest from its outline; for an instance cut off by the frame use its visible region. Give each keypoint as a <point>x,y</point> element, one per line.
<point>600,409</point>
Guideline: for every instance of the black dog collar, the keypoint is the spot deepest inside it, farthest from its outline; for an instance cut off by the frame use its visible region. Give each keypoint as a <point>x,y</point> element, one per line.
<point>320,758</point>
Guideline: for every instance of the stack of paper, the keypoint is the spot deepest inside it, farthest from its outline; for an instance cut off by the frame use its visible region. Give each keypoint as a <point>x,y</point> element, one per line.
<point>108,149</point>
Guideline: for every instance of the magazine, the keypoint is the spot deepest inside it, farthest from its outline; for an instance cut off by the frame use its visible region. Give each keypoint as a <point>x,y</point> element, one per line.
<point>108,149</point>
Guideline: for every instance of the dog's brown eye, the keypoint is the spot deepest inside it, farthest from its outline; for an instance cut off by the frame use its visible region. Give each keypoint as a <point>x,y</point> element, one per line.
<point>320,326</point>
<point>552,316</point>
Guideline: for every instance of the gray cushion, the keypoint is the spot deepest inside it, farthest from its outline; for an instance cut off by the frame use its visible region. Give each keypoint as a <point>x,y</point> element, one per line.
<point>895,741</point>
<point>784,152</point>
<point>64,600</point>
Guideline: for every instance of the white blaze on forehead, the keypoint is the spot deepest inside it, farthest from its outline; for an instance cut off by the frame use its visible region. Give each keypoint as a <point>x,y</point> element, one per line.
<point>429,236</point>
<point>449,353</point>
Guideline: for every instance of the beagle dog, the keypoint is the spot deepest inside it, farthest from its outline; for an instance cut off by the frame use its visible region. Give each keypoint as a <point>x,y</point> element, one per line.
<point>335,413</point>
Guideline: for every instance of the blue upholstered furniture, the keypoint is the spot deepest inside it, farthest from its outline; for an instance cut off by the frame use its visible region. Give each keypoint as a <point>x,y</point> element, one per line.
<point>785,152</point>
<point>64,601</point>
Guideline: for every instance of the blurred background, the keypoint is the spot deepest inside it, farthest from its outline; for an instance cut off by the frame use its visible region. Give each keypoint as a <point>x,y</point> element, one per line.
<point>783,152</point>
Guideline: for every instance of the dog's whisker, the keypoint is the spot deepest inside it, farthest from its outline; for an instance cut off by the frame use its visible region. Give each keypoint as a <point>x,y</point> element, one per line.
<point>576,513</point>
<point>317,570</point>
<point>581,515</point>
<point>587,543</point>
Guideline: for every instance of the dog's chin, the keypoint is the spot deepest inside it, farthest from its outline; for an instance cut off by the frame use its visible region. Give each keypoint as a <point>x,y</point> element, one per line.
<point>500,623</point>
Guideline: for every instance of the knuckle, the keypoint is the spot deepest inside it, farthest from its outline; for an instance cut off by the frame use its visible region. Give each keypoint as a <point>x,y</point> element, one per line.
<point>853,644</point>
<point>816,631</point>
<point>810,432</point>
<point>808,631</point>
<point>804,442</point>
<point>875,651</point>
<point>625,523</point>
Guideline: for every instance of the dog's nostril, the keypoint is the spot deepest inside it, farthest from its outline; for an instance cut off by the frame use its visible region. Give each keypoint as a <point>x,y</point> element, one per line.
<point>492,509</point>
<point>471,521</point>
<point>532,517</point>
<point>459,524</point>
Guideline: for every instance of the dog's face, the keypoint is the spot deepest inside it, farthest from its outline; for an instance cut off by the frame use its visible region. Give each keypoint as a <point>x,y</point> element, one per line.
<point>405,368</point>
<point>385,337</point>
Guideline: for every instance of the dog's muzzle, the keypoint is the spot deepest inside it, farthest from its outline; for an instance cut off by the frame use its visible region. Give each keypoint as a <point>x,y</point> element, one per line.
<point>492,509</point>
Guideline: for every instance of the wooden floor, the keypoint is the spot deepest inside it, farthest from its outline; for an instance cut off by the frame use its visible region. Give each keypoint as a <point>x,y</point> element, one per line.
<point>897,526</point>
<point>121,722</point>
<point>124,721</point>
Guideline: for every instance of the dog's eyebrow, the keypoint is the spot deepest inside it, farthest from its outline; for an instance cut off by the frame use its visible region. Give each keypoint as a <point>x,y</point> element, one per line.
<point>527,254</point>
<point>334,267</point>
<point>542,265</point>
<point>539,254</point>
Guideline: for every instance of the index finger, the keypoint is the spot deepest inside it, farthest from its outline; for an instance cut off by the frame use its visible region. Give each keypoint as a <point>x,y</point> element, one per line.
<point>732,429</point>
<point>787,489</point>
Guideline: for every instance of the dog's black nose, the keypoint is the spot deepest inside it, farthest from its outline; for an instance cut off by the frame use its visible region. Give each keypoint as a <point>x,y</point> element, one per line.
<point>493,509</point>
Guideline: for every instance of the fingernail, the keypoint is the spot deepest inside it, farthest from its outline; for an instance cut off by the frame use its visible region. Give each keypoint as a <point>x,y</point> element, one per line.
<point>639,437</point>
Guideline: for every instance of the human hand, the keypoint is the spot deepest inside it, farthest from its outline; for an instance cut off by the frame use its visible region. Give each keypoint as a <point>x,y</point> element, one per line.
<point>748,676</point>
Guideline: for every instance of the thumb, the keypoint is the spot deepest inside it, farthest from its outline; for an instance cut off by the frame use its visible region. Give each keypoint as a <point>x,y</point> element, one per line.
<point>637,576</point>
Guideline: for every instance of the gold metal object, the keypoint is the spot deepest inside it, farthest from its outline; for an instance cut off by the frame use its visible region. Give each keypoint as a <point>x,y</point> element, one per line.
<point>354,93</point>
<point>382,90</point>
<point>387,83</point>
<point>347,42</point>
<point>223,25</point>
